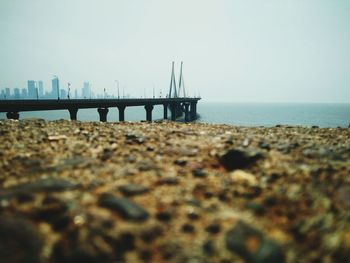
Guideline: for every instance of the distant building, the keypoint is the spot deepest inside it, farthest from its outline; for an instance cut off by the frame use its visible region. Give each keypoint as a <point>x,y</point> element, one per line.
<point>55,87</point>
<point>63,94</point>
<point>31,89</point>
<point>17,93</point>
<point>2,95</point>
<point>24,94</point>
<point>7,93</point>
<point>75,94</point>
<point>86,93</point>
<point>40,89</point>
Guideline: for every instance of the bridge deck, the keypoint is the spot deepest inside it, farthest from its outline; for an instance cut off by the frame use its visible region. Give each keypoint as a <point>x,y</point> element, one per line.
<point>38,105</point>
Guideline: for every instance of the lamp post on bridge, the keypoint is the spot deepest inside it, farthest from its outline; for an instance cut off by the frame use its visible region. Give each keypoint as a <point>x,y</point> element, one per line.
<point>68,92</point>
<point>116,81</point>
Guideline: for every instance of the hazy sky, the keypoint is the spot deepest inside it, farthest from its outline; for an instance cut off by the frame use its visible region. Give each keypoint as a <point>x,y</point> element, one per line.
<point>266,51</point>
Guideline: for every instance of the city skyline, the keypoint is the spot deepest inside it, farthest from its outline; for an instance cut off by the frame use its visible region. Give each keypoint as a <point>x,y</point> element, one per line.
<point>35,90</point>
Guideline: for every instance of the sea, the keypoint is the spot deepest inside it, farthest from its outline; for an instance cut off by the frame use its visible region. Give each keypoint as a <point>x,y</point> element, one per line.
<point>240,114</point>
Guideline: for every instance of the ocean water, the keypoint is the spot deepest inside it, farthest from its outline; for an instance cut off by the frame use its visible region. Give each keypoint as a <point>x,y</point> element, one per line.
<point>242,114</point>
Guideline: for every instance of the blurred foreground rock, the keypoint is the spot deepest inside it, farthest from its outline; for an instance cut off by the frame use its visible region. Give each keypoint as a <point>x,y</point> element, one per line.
<point>173,192</point>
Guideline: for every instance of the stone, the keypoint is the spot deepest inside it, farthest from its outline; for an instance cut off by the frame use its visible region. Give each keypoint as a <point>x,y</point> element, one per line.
<point>239,159</point>
<point>199,173</point>
<point>243,177</point>
<point>343,195</point>
<point>133,189</point>
<point>123,206</point>
<point>264,145</point>
<point>19,240</point>
<point>45,185</point>
<point>169,181</point>
<point>213,228</point>
<point>180,162</point>
<point>252,246</point>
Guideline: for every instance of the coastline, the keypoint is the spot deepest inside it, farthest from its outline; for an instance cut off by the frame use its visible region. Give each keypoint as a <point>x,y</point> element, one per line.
<point>173,192</point>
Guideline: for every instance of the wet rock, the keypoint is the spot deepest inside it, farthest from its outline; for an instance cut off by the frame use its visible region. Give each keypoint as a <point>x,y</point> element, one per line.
<point>239,159</point>
<point>169,181</point>
<point>126,208</point>
<point>213,228</point>
<point>46,185</point>
<point>188,228</point>
<point>199,173</point>
<point>19,241</point>
<point>134,138</point>
<point>133,189</point>
<point>164,216</point>
<point>264,145</point>
<point>180,162</point>
<point>251,245</point>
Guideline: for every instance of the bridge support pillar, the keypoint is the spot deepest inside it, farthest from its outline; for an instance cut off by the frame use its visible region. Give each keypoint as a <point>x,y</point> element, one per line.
<point>149,109</point>
<point>12,115</point>
<point>193,110</point>
<point>121,110</point>
<point>187,115</point>
<point>103,114</point>
<point>73,113</point>
<point>173,108</point>
<point>165,111</point>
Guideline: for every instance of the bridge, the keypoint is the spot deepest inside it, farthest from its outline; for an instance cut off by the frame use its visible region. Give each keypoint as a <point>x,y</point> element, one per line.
<point>176,101</point>
<point>177,106</point>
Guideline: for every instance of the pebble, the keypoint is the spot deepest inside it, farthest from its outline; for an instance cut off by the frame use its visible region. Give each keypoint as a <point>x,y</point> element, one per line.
<point>126,208</point>
<point>199,173</point>
<point>239,159</point>
<point>46,185</point>
<point>133,189</point>
<point>20,240</point>
<point>252,246</point>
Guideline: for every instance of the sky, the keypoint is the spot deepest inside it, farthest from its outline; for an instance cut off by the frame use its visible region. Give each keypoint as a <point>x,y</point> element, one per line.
<point>233,51</point>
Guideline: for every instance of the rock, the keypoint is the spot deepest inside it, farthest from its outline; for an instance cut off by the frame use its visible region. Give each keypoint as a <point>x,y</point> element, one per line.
<point>19,240</point>
<point>243,177</point>
<point>198,173</point>
<point>164,216</point>
<point>169,180</point>
<point>188,228</point>
<point>239,159</point>
<point>343,195</point>
<point>126,208</point>
<point>213,228</point>
<point>252,246</point>
<point>133,189</point>
<point>264,145</point>
<point>180,162</point>
<point>45,185</point>
<point>134,138</point>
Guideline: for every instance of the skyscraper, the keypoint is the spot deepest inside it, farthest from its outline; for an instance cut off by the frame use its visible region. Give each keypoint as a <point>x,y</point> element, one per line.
<point>17,94</point>
<point>31,89</point>
<point>86,90</point>
<point>40,89</point>
<point>7,93</point>
<point>24,93</point>
<point>55,87</point>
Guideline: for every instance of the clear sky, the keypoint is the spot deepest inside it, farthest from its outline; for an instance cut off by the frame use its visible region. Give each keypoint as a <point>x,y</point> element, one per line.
<point>239,51</point>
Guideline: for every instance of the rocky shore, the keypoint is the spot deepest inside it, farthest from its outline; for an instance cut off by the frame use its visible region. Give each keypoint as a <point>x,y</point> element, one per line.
<point>173,192</point>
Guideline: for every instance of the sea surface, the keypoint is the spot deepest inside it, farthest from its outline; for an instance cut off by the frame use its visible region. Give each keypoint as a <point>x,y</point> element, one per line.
<point>242,114</point>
